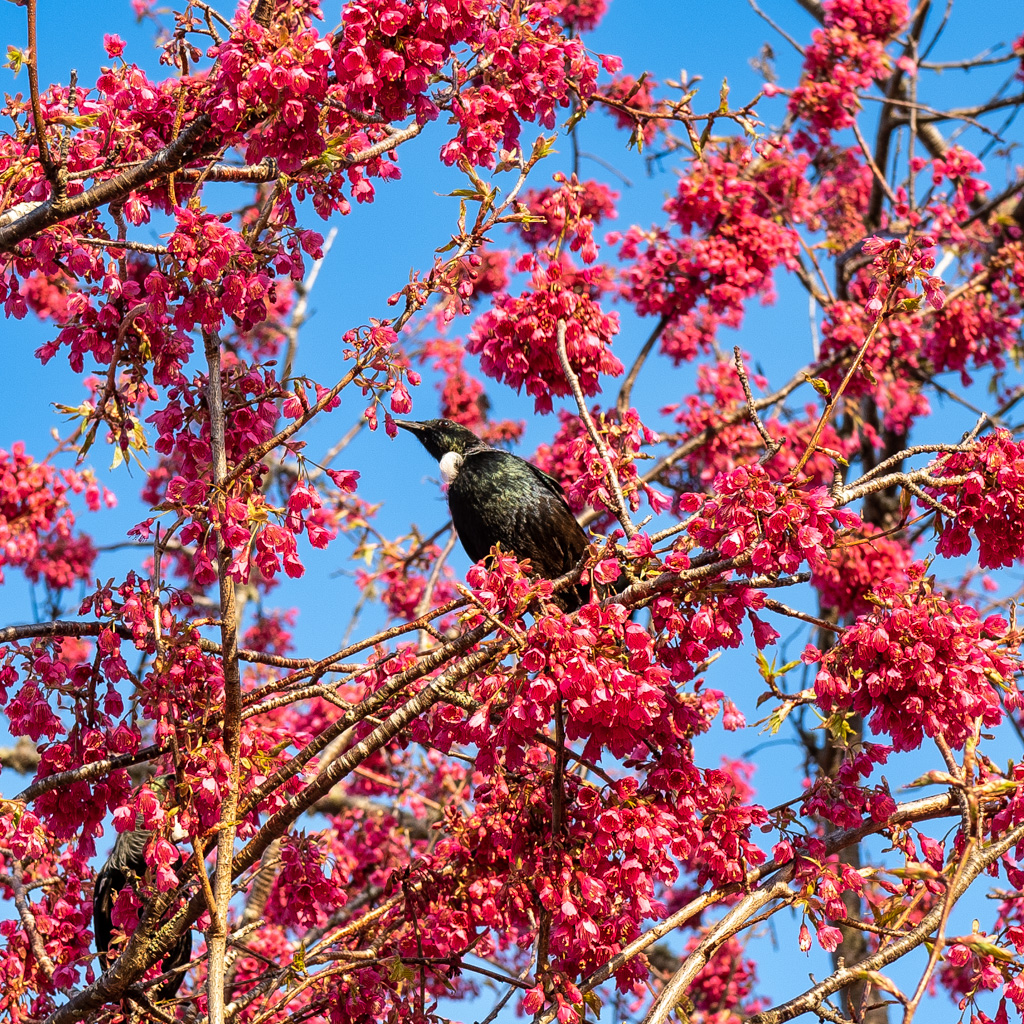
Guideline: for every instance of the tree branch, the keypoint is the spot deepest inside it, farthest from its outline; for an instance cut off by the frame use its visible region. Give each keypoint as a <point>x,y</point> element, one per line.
<point>232,726</point>
<point>57,208</point>
<point>814,997</point>
<point>610,475</point>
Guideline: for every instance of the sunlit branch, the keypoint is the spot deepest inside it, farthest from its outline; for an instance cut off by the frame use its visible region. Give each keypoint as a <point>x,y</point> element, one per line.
<point>974,865</point>
<point>232,723</point>
<point>56,209</point>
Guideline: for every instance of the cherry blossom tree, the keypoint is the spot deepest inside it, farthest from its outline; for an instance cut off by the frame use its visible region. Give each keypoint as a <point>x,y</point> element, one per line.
<point>481,791</point>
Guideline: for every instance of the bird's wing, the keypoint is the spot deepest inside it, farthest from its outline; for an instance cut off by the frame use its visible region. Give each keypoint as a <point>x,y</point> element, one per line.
<point>548,481</point>
<point>110,880</point>
<point>129,852</point>
<point>126,863</point>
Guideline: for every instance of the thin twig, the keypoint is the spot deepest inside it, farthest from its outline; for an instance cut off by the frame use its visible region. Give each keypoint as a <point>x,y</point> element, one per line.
<point>612,477</point>
<point>634,371</point>
<point>28,920</point>
<point>500,1005</point>
<point>778,28</point>
<point>812,445</point>
<point>49,167</point>
<point>793,613</point>
<point>772,447</point>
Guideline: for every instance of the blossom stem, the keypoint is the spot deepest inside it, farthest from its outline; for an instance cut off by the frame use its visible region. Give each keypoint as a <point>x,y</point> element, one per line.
<point>772,446</point>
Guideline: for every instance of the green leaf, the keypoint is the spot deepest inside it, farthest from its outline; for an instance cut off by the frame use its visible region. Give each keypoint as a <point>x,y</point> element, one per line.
<point>543,147</point>
<point>16,58</point>
<point>821,386</point>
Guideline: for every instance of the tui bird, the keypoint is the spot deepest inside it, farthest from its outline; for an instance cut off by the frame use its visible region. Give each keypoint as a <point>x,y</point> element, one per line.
<point>126,865</point>
<point>496,497</point>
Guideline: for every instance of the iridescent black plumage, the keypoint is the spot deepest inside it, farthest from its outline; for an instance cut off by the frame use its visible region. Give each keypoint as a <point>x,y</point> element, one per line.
<point>126,865</point>
<point>496,497</point>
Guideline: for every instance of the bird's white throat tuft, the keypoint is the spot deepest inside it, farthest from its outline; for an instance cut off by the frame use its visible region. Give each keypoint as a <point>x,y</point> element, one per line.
<point>450,464</point>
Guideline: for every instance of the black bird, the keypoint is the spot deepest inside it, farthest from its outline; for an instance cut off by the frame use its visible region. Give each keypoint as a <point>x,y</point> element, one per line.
<point>126,865</point>
<point>496,497</point>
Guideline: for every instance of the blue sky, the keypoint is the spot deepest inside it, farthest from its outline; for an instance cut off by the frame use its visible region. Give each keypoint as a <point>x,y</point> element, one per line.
<point>378,244</point>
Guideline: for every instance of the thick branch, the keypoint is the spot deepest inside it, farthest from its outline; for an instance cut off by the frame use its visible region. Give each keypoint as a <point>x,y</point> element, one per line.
<point>916,811</point>
<point>217,936</point>
<point>731,923</point>
<point>814,997</point>
<point>57,209</point>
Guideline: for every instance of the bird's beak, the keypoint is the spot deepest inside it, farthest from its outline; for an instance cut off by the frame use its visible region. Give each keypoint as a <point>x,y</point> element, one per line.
<point>413,426</point>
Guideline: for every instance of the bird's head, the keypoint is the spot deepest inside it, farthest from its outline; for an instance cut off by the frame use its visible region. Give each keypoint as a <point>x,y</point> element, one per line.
<point>442,437</point>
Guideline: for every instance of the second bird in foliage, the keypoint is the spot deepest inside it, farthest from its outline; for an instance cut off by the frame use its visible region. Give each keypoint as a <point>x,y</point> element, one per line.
<point>496,497</point>
<point>126,865</point>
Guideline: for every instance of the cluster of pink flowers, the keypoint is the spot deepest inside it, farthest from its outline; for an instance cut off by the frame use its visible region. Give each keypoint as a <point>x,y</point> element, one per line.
<point>897,265</point>
<point>226,278</point>
<point>283,72</point>
<point>598,883</point>
<point>827,878</point>
<point>516,337</point>
<point>977,963</point>
<point>986,491</point>
<point>856,565</point>
<point>534,70</point>
<point>728,816</point>
<point>844,799</point>
<point>308,884</point>
<point>983,330</point>
<point>569,213</point>
<point>573,457</point>
<point>692,631</point>
<point>921,664</point>
<point>843,60</point>
<point>482,273</point>
<point>780,527</point>
<point>960,168</point>
<point>389,51</point>
<point>62,913</point>
<point>505,588</point>
<point>728,210</point>
<point>616,696</point>
<point>36,521</point>
<point>244,515</point>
